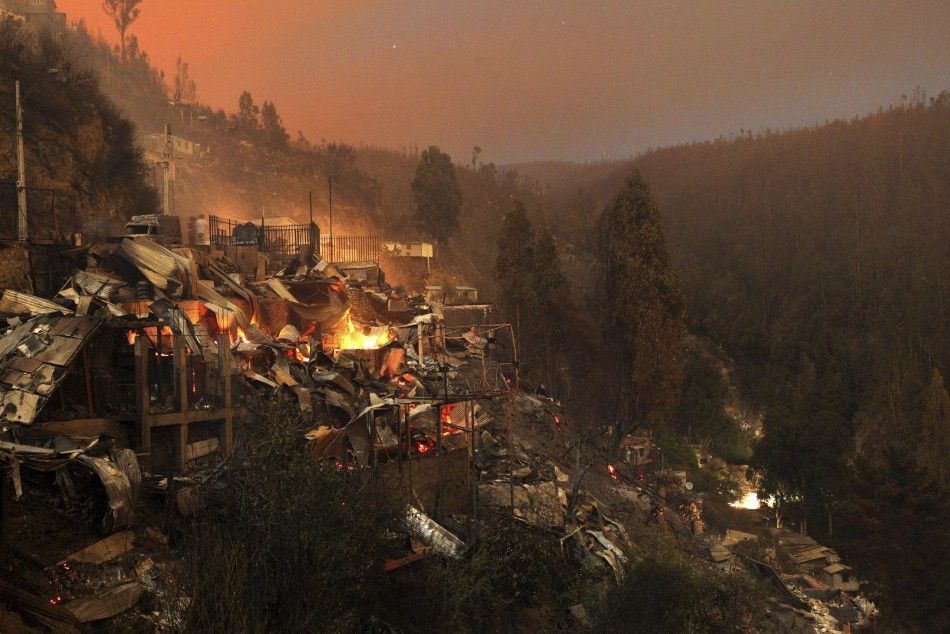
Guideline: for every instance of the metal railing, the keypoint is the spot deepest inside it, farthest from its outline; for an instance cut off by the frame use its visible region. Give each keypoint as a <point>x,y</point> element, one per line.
<point>350,248</point>
<point>281,243</point>
<point>284,243</point>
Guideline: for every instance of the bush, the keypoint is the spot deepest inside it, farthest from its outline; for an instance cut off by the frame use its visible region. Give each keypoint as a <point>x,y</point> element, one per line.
<point>515,578</point>
<point>667,591</point>
<point>290,544</point>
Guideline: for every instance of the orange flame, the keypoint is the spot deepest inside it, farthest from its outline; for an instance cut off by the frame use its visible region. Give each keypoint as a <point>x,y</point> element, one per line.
<point>302,352</point>
<point>364,337</point>
<point>238,336</point>
<point>612,472</point>
<point>151,332</point>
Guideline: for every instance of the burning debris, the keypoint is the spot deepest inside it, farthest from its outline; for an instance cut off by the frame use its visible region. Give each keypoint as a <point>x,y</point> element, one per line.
<point>152,352</point>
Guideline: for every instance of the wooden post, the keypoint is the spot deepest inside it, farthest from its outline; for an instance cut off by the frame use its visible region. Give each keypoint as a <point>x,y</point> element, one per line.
<point>181,374</point>
<point>90,408</point>
<point>514,349</point>
<point>3,510</point>
<point>409,453</point>
<point>181,371</point>
<point>224,363</point>
<point>372,443</point>
<point>419,332</point>
<point>142,391</point>
<point>474,472</point>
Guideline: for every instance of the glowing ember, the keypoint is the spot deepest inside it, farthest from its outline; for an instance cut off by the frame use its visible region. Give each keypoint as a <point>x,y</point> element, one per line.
<point>302,352</point>
<point>612,472</point>
<point>748,501</point>
<point>363,337</point>
<point>151,332</point>
<point>422,447</point>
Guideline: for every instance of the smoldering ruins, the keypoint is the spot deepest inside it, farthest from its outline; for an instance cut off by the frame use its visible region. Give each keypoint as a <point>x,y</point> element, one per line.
<point>135,375</point>
<point>128,380</point>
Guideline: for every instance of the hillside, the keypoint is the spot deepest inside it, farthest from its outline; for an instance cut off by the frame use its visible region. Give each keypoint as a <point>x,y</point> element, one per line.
<point>818,259</point>
<point>81,156</point>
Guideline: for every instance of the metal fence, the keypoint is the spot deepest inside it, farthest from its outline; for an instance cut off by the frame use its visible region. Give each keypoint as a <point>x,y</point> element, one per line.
<point>350,248</point>
<point>281,243</point>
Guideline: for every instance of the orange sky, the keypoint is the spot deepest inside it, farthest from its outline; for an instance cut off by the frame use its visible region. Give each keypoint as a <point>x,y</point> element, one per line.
<point>545,79</point>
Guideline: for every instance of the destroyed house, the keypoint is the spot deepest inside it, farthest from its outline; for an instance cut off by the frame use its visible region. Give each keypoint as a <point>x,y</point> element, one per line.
<point>35,12</point>
<point>155,349</point>
<point>137,373</point>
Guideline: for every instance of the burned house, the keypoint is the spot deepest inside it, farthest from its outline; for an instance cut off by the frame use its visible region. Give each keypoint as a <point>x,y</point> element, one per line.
<point>41,13</point>
<point>159,348</point>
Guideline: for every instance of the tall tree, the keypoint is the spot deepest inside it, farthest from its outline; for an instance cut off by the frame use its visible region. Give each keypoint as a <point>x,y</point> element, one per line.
<point>554,315</point>
<point>274,133</point>
<point>185,88</point>
<point>438,198</point>
<point>514,265</point>
<point>934,444</point>
<point>123,14</point>
<point>247,112</point>
<point>640,312</point>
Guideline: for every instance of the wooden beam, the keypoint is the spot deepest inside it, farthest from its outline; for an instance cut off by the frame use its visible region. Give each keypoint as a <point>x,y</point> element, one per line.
<point>142,390</point>
<point>82,427</point>
<point>224,364</point>
<point>191,416</point>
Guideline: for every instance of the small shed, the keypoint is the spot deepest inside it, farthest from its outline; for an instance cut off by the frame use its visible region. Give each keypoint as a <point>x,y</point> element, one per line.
<point>839,577</point>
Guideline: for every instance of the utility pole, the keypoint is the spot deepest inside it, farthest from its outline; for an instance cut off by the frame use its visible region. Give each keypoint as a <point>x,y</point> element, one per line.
<point>23,229</point>
<point>312,233</point>
<point>166,176</point>
<point>330,181</point>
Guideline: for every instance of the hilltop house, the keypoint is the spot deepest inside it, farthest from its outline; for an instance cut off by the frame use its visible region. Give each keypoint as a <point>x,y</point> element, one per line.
<point>35,12</point>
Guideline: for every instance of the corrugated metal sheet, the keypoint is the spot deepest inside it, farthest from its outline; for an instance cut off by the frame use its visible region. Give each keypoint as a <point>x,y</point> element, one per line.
<point>16,303</point>
<point>97,285</point>
<point>34,357</point>
<point>163,268</point>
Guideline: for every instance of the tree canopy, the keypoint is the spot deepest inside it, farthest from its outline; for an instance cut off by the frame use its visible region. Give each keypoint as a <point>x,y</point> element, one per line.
<point>436,192</point>
<point>639,308</point>
<point>123,14</point>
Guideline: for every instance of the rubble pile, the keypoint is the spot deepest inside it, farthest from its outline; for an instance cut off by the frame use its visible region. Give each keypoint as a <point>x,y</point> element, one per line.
<point>134,382</point>
<point>139,371</point>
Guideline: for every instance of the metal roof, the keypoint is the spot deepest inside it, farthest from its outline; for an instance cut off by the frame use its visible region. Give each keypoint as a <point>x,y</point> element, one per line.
<point>34,357</point>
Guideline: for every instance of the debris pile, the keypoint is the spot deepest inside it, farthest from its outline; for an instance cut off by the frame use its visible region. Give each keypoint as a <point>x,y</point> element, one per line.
<point>136,375</point>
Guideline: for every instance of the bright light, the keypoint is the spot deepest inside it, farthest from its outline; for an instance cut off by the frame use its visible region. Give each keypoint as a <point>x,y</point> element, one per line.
<point>363,337</point>
<point>748,501</point>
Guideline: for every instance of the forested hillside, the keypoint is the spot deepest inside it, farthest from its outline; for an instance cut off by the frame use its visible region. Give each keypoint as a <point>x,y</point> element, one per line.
<point>819,259</point>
